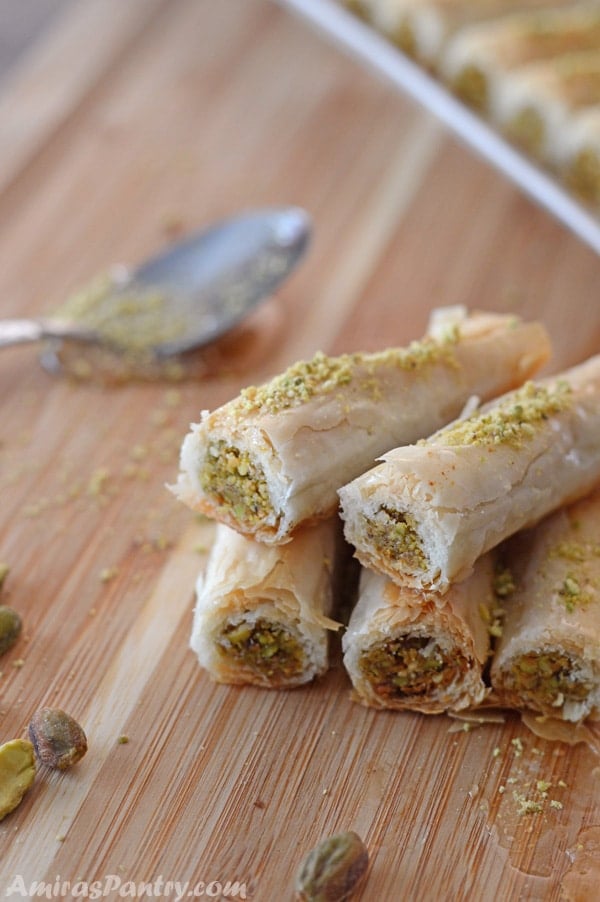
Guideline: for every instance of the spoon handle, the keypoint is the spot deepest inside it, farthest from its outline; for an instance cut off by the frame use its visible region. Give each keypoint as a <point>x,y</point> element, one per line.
<point>18,331</point>
<point>15,331</point>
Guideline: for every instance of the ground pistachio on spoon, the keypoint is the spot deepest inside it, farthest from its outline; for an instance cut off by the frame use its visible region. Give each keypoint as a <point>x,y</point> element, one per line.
<point>333,869</point>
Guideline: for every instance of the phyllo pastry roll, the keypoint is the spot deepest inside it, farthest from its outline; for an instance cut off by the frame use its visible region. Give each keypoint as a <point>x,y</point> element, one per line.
<point>477,57</point>
<point>275,456</point>
<point>548,657</point>
<point>421,27</point>
<point>579,155</point>
<point>262,612</point>
<point>427,512</point>
<point>537,104</point>
<point>406,650</point>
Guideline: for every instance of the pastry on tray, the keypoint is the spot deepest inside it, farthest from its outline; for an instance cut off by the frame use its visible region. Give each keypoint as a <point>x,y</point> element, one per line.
<point>579,156</point>
<point>274,457</point>
<point>407,650</point>
<point>476,59</point>
<point>427,512</point>
<point>262,612</point>
<point>537,105</point>
<point>420,28</point>
<point>548,656</point>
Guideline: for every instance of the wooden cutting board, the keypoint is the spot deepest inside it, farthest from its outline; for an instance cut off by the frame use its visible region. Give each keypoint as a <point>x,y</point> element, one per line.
<point>130,123</point>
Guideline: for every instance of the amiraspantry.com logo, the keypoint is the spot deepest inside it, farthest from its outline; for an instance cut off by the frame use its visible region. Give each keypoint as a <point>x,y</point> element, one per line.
<point>112,886</point>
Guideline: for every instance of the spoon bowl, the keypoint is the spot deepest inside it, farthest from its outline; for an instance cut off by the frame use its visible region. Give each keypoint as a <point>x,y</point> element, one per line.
<point>187,296</point>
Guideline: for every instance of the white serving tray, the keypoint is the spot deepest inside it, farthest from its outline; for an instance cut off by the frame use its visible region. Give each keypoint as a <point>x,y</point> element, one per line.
<point>373,49</point>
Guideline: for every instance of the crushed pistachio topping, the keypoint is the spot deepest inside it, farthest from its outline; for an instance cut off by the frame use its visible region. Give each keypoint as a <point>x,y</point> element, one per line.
<point>263,647</point>
<point>410,666</point>
<point>396,537</point>
<point>492,617</point>
<point>512,421</point>
<point>504,583</point>
<point>236,482</point>
<point>545,681</point>
<point>321,375</point>
<point>572,594</point>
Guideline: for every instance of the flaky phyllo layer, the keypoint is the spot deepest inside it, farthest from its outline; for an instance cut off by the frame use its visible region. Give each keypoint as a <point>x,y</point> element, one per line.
<point>275,456</point>
<point>428,511</point>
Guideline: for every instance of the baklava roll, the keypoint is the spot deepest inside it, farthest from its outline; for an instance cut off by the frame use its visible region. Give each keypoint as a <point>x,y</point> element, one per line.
<point>262,612</point>
<point>478,56</point>
<point>548,657</point>
<point>579,156</point>
<point>427,512</point>
<point>274,457</point>
<point>410,651</point>
<point>420,28</point>
<point>537,104</point>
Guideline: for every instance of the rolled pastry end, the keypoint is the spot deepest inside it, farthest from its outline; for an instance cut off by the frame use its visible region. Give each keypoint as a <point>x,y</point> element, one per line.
<point>417,670</point>
<point>392,541</point>
<point>256,647</point>
<point>550,680</point>
<point>231,481</point>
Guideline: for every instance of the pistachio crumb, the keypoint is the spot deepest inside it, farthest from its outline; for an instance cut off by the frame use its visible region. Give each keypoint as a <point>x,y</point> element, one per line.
<point>517,744</point>
<point>525,805</point>
<point>108,573</point>
<point>123,740</point>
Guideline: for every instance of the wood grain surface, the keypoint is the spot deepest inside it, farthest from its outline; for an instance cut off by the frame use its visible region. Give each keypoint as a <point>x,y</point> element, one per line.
<point>133,122</point>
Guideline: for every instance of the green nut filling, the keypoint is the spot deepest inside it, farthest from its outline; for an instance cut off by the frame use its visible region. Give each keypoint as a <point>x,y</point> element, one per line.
<point>527,129</point>
<point>471,86</point>
<point>236,483</point>
<point>546,681</point>
<point>263,647</point>
<point>395,536</point>
<point>396,668</point>
<point>404,38</point>
<point>584,175</point>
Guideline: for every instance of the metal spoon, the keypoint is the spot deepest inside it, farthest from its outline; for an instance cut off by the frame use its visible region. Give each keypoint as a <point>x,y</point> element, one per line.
<point>195,291</point>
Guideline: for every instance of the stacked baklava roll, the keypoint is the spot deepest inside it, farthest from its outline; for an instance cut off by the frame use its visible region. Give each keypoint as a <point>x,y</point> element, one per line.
<point>267,467</point>
<point>427,517</point>
<point>547,659</point>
